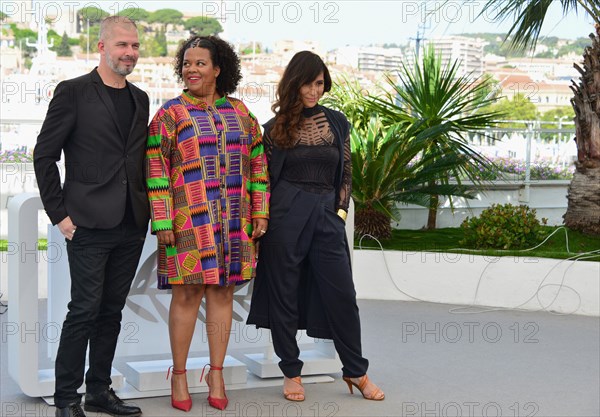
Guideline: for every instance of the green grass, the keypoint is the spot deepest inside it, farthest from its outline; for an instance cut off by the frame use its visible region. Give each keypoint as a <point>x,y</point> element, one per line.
<point>447,240</point>
<point>42,245</point>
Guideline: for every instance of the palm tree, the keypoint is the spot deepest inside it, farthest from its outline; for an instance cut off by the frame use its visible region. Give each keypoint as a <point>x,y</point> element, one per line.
<point>390,158</point>
<point>350,98</point>
<point>435,100</point>
<point>583,211</point>
<point>388,166</point>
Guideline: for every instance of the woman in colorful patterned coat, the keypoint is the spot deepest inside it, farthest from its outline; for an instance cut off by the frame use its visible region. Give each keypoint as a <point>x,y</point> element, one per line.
<point>208,189</point>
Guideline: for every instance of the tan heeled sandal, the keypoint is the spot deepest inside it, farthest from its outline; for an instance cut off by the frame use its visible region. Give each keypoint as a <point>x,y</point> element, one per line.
<point>294,396</point>
<point>362,383</point>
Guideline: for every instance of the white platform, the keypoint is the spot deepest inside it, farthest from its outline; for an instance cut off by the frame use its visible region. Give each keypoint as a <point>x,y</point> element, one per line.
<point>145,316</point>
<point>128,391</point>
<point>319,358</point>
<point>151,375</point>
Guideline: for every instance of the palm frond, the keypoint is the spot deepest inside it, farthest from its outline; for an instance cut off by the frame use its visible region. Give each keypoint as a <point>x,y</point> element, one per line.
<point>529,16</point>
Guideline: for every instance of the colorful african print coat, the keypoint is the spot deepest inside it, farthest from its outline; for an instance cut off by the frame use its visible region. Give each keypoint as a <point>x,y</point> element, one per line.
<point>207,179</point>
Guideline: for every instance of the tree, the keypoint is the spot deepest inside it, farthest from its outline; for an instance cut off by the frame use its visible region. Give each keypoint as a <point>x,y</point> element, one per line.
<point>137,14</point>
<point>3,16</point>
<point>577,47</point>
<point>21,38</point>
<point>149,46</point>
<point>161,40</point>
<point>565,112</point>
<point>490,88</point>
<point>94,14</point>
<point>391,157</point>
<point>546,54</point>
<point>249,49</point>
<point>389,166</point>
<point>94,33</point>
<point>64,49</point>
<point>348,97</point>
<point>583,210</point>
<point>166,17</point>
<point>519,108</point>
<point>203,25</point>
<point>556,118</point>
<point>435,99</point>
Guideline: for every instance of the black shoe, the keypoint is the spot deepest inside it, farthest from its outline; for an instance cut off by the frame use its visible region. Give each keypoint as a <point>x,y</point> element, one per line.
<point>108,402</point>
<point>71,410</point>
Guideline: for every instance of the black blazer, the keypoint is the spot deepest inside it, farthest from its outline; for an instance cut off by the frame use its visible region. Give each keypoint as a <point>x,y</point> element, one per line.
<point>101,162</point>
<point>311,313</point>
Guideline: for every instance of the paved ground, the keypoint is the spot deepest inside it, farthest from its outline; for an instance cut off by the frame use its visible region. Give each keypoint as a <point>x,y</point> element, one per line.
<point>430,362</point>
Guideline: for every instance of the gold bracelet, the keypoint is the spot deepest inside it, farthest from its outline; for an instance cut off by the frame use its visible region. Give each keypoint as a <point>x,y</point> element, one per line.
<point>342,213</point>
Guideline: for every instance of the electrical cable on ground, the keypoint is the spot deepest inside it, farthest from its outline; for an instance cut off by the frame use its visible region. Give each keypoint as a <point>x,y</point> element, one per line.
<point>536,294</point>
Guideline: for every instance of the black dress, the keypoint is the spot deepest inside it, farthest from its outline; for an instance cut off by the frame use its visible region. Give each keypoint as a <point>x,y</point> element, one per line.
<point>304,278</point>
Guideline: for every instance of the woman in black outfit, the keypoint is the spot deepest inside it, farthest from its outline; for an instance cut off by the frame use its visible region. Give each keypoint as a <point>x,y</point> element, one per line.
<point>304,279</point>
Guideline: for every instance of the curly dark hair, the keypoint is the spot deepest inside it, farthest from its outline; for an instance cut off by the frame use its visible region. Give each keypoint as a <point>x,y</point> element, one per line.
<point>304,67</point>
<point>222,55</point>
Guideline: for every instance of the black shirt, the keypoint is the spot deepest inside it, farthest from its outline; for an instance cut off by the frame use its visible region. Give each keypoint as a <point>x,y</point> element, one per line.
<point>125,107</point>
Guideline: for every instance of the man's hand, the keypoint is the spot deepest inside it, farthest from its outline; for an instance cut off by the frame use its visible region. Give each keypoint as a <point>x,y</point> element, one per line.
<point>67,228</point>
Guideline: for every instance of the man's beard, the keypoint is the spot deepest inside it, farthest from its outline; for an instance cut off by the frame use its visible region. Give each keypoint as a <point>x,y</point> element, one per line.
<point>124,71</point>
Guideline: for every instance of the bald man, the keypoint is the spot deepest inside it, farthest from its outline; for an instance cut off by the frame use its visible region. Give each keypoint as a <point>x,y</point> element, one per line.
<point>99,121</point>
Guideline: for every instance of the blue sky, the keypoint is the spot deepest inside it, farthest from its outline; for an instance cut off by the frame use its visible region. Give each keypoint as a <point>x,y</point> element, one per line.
<point>353,22</point>
<point>334,23</point>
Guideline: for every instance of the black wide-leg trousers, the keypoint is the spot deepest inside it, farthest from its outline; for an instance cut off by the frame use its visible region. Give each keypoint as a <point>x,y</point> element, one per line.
<point>306,235</point>
<point>102,264</point>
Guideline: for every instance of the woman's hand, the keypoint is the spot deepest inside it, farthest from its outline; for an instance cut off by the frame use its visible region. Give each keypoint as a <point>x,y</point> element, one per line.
<point>166,237</point>
<point>259,227</point>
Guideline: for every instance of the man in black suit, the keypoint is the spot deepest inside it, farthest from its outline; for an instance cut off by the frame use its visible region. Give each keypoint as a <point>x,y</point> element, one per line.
<point>100,122</point>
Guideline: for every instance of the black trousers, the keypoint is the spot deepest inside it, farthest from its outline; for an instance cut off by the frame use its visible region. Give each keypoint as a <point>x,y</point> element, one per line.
<point>306,235</point>
<point>102,264</point>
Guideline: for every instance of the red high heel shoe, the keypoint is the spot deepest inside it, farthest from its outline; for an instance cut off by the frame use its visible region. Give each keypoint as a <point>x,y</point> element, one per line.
<point>185,405</point>
<point>218,403</point>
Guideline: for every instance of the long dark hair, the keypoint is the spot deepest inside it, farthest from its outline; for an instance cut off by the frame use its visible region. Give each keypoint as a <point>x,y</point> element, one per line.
<point>222,55</point>
<point>304,68</point>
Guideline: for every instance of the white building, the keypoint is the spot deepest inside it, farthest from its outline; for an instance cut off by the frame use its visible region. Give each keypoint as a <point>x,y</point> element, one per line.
<point>368,58</point>
<point>288,48</point>
<point>467,51</point>
<point>540,69</point>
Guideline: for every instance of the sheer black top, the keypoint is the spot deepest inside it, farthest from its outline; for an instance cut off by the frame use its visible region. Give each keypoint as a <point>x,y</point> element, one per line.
<point>313,162</point>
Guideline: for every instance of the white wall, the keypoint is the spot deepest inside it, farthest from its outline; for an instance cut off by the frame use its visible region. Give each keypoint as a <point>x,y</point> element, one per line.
<point>17,179</point>
<point>549,198</point>
<point>510,282</point>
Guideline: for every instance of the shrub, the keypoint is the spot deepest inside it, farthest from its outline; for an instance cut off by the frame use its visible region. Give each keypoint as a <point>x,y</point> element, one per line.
<point>503,227</point>
<point>514,169</point>
<point>16,156</point>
